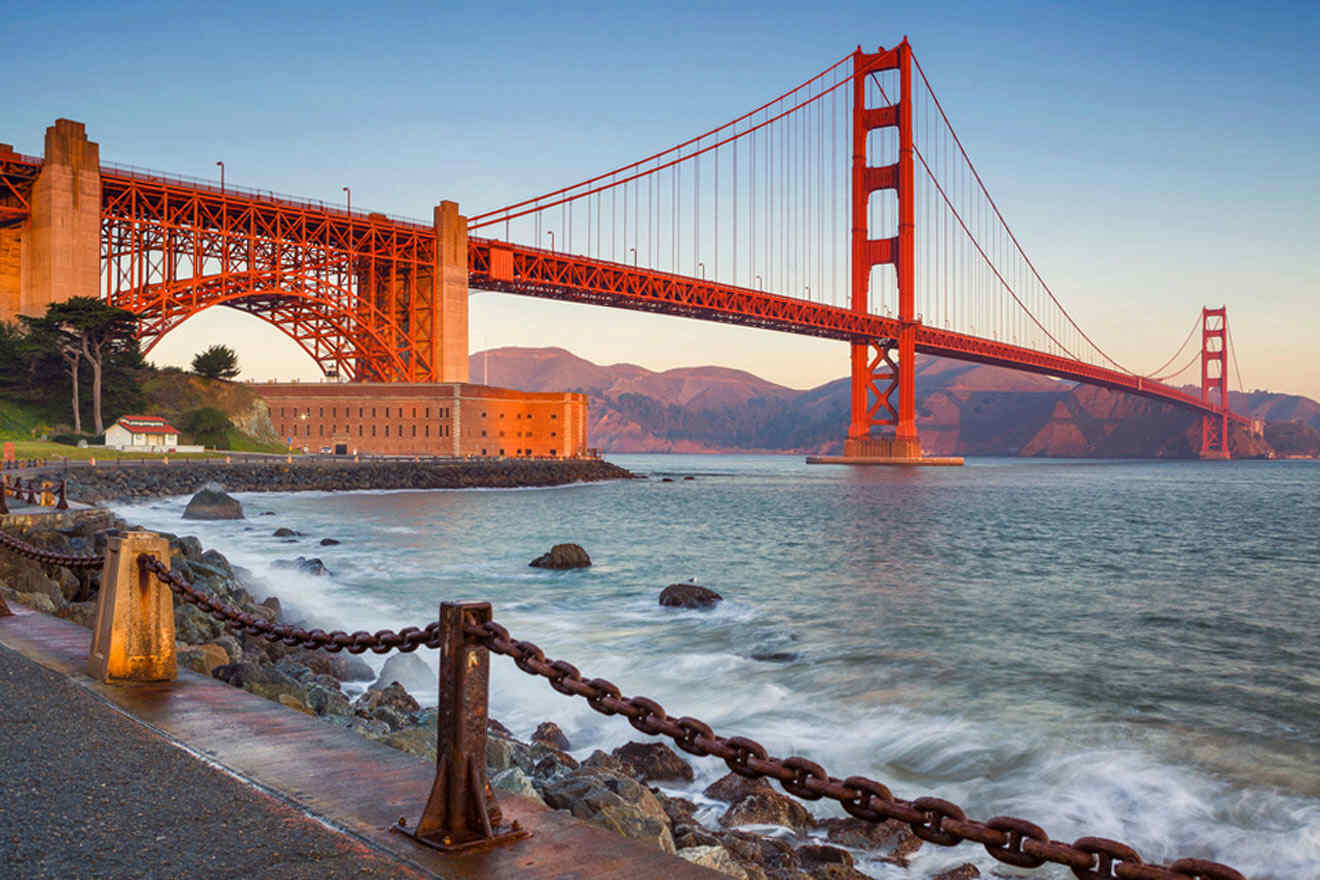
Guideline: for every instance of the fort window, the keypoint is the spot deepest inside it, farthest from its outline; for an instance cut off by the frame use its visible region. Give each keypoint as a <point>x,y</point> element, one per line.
<point>554,415</point>
<point>373,430</point>
<point>334,412</point>
<point>428,412</point>
<point>554,434</point>
<point>483,415</point>
<point>387,430</point>
<point>483,433</point>
<point>414,430</point>
<point>554,452</point>
<point>373,412</point>
<point>320,412</point>
<point>359,430</point>
<point>428,431</point>
<point>359,412</point>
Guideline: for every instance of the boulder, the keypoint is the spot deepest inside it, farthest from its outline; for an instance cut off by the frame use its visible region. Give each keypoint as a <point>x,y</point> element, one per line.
<point>213,504</point>
<point>514,781</point>
<point>717,858</point>
<point>686,835</point>
<point>598,760</point>
<point>767,808</point>
<point>202,658</point>
<point>731,787</point>
<point>392,696</point>
<point>408,670</point>
<point>963,872</point>
<point>548,733</point>
<point>37,602</point>
<point>617,803</point>
<point>286,533</point>
<point>767,854</point>
<point>81,613</point>
<point>562,556</point>
<point>305,564</point>
<point>654,762</point>
<point>328,542</point>
<point>889,835</point>
<point>688,596</point>
<point>294,703</point>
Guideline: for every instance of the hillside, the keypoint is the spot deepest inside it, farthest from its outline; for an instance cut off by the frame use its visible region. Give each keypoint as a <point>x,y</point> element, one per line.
<point>963,409</point>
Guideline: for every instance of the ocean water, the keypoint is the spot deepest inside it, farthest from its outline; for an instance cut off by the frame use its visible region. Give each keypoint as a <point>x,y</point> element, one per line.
<point>1121,649</point>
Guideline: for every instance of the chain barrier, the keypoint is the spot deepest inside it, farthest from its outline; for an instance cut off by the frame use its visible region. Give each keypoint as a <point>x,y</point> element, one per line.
<point>50,557</point>
<point>408,639</point>
<point>1010,840</point>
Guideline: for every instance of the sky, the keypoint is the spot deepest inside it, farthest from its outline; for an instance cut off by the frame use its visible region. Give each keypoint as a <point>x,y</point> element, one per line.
<point>1152,158</point>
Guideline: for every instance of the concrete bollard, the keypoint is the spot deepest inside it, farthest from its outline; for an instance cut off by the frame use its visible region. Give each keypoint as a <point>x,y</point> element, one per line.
<point>133,637</point>
<point>461,813</point>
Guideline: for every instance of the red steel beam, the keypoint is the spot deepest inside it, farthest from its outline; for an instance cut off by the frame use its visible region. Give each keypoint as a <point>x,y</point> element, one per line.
<point>513,268</point>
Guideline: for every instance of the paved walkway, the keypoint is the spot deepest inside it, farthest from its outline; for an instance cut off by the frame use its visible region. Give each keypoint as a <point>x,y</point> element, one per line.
<point>101,781</point>
<point>87,792</point>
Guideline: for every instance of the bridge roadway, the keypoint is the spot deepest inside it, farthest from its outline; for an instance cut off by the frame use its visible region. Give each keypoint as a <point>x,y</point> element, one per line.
<point>513,268</point>
<point>113,781</point>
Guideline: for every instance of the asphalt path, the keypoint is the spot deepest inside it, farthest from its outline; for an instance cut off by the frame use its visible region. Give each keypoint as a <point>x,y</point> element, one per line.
<point>87,792</point>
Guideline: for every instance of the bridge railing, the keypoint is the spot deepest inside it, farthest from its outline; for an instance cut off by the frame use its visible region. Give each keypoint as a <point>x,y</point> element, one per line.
<point>136,599</point>
<point>213,186</point>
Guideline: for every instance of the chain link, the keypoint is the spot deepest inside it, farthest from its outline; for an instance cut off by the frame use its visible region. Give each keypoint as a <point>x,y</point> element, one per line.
<point>1010,840</point>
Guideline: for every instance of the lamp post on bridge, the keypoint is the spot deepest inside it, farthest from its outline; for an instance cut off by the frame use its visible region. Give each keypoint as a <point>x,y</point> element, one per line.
<point>702,267</point>
<point>348,194</point>
<point>760,285</point>
<point>222,177</point>
<point>634,253</point>
<point>551,233</point>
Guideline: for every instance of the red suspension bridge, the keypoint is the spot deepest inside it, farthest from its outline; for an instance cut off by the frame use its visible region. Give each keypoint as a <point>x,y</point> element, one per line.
<point>845,208</point>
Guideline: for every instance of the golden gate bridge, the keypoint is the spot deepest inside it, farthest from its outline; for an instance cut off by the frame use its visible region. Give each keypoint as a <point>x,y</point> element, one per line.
<point>845,208</point>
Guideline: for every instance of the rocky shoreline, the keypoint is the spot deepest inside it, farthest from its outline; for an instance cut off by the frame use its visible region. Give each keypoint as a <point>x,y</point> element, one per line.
<point>115,482</point>
<point>740,827</point>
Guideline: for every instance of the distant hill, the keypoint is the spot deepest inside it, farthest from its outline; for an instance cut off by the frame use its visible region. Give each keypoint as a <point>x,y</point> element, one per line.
<point>963,409</point>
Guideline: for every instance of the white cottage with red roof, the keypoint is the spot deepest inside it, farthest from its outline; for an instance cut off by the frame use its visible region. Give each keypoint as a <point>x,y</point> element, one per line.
<point>142,432</point>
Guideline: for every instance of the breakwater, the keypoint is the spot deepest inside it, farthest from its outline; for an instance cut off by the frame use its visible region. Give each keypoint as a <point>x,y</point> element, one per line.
<point>114,482</point>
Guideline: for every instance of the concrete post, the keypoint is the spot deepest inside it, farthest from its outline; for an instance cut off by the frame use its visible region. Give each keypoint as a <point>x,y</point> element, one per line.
<point>449,337</point>
<point>133,638</point>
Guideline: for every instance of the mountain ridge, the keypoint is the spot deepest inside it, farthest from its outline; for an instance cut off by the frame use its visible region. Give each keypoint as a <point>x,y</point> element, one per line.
<point>962,409</point>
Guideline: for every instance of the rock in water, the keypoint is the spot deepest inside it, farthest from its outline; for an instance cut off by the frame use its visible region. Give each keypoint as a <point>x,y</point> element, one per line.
<point>689,596</point>
<point>562,556</point>
<point>408,670</point>
<point>213,504</point>
<point>549,733</point>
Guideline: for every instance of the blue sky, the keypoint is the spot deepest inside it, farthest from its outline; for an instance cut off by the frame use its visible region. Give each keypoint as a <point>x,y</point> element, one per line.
<point>1150,159</point>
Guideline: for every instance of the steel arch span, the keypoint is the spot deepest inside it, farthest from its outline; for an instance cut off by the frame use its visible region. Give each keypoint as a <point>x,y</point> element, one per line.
<point>322,319</point>
<point>357,293</point>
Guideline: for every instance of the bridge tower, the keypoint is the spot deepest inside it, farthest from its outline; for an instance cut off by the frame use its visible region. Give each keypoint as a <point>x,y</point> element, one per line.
<point>883,390</point>
<point>1214,381</point>
<point>58,244</point>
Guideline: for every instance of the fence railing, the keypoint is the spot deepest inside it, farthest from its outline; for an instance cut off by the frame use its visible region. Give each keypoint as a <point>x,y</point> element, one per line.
<point>462,813</point>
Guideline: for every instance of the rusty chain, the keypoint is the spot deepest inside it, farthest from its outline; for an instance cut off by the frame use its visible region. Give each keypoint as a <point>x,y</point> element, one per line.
<point>48,556</point>
<point>1011,840</point>
<point>409,638</point>
<point>1008,839</point>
